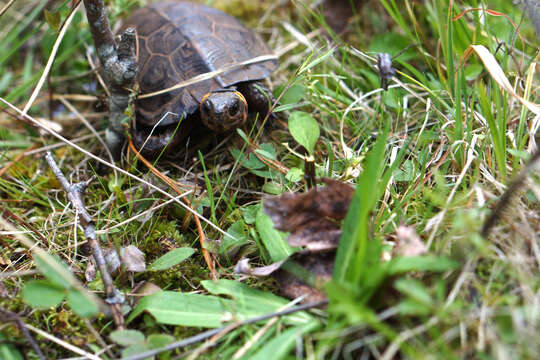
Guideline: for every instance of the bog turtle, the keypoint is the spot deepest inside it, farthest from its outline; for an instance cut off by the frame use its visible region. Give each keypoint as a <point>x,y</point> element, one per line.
<point>178,41</point>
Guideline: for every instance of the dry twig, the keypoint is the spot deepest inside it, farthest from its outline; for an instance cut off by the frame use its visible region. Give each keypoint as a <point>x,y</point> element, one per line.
<point>75,192</point>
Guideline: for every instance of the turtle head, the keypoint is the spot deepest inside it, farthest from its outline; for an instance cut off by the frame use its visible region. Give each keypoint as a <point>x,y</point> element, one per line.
<point>223,110</point>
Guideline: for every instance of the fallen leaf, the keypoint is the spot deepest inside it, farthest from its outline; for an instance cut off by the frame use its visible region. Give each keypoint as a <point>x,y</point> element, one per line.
<point>243,267</point>
<point>313,217</point>
<point>133,259</point>
<point>408,243</point>
<point>90,272</point>
<point>320,265</point>
<point>111,259</point>
<point>338,13</point>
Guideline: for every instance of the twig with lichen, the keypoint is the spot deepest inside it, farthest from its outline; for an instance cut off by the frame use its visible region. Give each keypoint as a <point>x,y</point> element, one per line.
<point>119,63</point>
<point>75,195</point>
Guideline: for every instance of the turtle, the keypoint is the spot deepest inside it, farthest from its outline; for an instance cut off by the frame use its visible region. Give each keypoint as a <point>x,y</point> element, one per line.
<point>178,41</point>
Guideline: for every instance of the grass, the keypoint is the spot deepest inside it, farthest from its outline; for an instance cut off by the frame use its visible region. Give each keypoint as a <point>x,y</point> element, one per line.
<point>433,153</point>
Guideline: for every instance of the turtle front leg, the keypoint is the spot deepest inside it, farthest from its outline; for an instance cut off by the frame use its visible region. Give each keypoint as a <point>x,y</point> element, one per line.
<point>259,98</point>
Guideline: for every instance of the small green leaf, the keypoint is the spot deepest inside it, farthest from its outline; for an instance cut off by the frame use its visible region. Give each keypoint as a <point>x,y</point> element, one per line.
<point>83,304</point>
<point>294,94</point>
<point>127,337</point>
<point>53,19</point>
<point>172,258</point>
<point>273,240</point>
<point>237,236</point>
<point>265,154</point>
<point>304,130</point>
<point>134,350</point>
<point>43,294</point>
<point>272,188</point>
<point>407,174</point>
<point>294,174</point>
<point>156,341</point>
<point>250,213</point>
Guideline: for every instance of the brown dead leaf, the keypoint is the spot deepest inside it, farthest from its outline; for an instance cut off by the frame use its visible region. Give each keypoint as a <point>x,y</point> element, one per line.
<point>314,222</point>
<point>321,265</point>
<point>338,13</point>
<point>313,217</point>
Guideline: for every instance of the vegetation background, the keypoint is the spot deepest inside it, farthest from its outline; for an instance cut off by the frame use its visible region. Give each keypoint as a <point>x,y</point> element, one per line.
<point>429,158</point>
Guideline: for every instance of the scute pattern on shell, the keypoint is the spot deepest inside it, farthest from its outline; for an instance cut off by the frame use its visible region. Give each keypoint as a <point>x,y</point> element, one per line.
<point>180,40</point>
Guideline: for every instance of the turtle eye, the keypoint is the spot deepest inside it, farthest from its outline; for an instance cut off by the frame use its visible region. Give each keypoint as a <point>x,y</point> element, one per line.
<point>207,106</point>
<point>234,109</point>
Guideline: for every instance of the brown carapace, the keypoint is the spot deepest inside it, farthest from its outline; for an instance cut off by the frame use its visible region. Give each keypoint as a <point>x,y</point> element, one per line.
<point>178,41</point>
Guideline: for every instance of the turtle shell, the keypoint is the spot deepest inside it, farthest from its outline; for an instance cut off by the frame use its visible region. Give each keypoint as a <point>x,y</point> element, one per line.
<point>180,40</point>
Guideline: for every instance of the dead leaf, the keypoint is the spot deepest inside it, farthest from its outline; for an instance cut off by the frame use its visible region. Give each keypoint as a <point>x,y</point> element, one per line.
<point>90,272</point>
<point>111,259</point>
<point>321,265</point>
<point>133,258</point>
<point>338,13</point>
<point>313,217</point>
<point>499,76</point>
<point>408,243</point>
<point>243,267</point>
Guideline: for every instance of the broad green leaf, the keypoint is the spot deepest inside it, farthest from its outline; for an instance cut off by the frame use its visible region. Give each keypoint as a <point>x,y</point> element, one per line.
<point>83,304</point>
<point>273,240</point>
<point>174,308</point>
<point>43,294</point>
<point>404,264</point>
<point>279,346</point>
<point>304,130</point>
<point>172,258</point>
<point>8,351</point>
<point>127,337</point>
<point>248,298</point>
